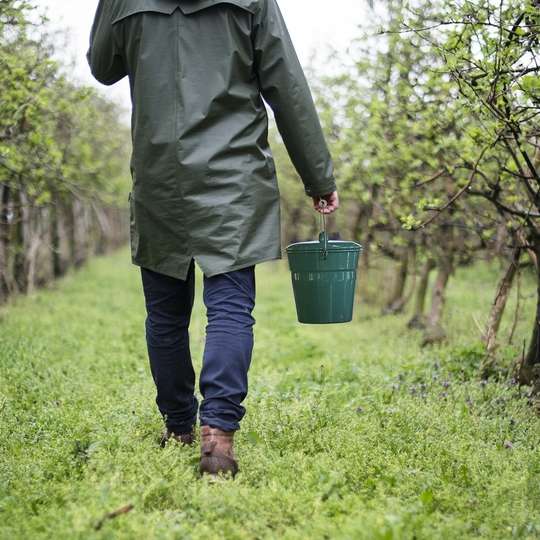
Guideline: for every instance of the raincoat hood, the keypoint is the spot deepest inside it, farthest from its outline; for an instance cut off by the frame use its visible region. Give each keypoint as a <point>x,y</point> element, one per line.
<point>126,8</point>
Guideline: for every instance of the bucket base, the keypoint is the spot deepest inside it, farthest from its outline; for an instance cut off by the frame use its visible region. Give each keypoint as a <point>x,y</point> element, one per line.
<point>324,297</point>
<point>324,322</point>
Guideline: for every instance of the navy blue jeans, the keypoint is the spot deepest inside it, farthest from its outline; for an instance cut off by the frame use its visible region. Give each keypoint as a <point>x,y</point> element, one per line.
<point>229,299</point>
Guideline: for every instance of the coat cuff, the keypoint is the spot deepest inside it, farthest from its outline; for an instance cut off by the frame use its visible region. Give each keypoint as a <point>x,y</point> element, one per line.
<point>321,189</point>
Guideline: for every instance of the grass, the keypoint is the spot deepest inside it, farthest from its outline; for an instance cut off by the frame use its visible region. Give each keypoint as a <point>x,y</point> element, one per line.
<point>352,431</point>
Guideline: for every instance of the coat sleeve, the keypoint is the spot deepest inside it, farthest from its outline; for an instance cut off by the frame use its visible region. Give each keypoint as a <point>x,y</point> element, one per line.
<point>284,87</point>
<point>105,55</point>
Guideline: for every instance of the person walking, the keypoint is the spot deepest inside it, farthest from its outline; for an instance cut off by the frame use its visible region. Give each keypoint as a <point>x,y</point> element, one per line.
<point>204,186</point>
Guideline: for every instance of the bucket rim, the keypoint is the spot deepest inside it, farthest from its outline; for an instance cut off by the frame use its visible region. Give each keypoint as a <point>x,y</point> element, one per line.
<point>311,244</point>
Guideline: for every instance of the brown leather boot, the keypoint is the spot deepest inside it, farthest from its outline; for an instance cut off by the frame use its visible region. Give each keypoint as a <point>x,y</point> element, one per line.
<point>217,452</point>
<point>185,439</point>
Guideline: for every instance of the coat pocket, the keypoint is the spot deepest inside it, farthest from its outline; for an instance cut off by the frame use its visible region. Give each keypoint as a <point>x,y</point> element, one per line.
<point>122,10</point>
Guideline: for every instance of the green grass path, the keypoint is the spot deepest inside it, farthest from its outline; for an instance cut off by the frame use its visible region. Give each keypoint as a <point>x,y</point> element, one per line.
<point>352,431</point>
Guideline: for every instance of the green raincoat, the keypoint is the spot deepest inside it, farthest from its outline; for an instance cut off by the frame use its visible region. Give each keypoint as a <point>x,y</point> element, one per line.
<point>204,181</point>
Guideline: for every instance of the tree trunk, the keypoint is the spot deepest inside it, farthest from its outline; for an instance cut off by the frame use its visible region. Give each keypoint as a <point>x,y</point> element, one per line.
<point>43,235</point>
<point>9,239</point>
<point>362,233</point>
<point>60,238</point>
<point>30,225</point>
<point>501,238</point>
<point>104,232</point>
<point>434,331</point>
<point>529,366</point>
<point>90,231</point>
<point>499,303</point>
<point>4,242</point>
<point>39,243</point>
<point>497,312</point>
<point>292,233</point>
<point>18,246</point>
<point>397,299</point>
<point>418,319</point>
<point>79,233</point>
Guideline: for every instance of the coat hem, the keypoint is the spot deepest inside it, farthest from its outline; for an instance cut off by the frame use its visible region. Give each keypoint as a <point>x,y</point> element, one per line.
<point>241,265</point>
<point>165,269</point>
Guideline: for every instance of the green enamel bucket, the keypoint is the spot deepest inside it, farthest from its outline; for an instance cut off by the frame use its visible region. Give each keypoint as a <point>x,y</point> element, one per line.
<point>323,276</point>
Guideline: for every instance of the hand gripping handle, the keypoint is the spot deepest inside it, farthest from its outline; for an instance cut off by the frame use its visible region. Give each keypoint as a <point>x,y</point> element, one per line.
<point>323,236</point>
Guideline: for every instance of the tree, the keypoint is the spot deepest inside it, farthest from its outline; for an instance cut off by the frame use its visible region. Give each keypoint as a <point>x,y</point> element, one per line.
<point>63,151</point>
<point>491,51</point>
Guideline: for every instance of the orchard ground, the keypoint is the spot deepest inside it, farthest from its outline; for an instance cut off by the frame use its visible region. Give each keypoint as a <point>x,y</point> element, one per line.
<point>352,431</point>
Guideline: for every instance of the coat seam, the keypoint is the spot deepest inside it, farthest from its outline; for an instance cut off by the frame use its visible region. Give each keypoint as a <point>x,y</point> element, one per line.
<point>178,121</point>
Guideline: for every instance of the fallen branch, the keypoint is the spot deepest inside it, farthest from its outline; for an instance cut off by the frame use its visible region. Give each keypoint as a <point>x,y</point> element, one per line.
<point>112,515</point>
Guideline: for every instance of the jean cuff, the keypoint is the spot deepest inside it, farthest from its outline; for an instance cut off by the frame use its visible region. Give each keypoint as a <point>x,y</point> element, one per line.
<point>219,423</point>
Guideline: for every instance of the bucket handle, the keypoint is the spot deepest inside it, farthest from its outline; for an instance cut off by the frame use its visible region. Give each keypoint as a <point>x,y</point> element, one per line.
<point>323,236</point>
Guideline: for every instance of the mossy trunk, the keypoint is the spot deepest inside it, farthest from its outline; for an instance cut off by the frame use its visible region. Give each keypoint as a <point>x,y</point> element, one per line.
<point>4,242</point>
<point>17,246</point>
<point>397,300</point>
<point>60,238</point>
<point>499,303</point>
<point>30,242</point>
<point>41,242</point>
<point>529,366</point>
<point>362,234</point>
<point>400,278</point>
<point>418,319</point>
<point>79,233</point>
<point>435,332</point>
